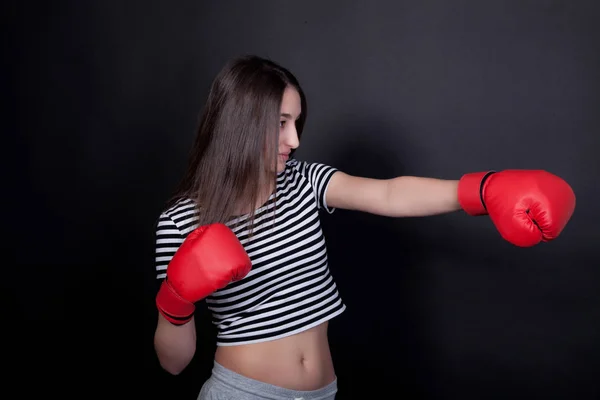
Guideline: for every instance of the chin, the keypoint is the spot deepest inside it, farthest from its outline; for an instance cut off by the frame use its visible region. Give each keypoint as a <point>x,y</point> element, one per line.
<point>280,165</point>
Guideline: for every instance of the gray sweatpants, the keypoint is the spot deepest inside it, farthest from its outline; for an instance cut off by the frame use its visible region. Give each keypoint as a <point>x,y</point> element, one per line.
<point>225,384</point>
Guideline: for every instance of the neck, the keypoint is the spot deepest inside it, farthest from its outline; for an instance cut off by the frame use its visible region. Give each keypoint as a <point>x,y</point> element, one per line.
<point>262,197</point>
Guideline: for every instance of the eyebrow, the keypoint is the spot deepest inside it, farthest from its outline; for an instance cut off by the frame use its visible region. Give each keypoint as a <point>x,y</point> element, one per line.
<point>286,115</point>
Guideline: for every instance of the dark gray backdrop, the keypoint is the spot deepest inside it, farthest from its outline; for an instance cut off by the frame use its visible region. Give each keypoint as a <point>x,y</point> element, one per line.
<point>105,99</point>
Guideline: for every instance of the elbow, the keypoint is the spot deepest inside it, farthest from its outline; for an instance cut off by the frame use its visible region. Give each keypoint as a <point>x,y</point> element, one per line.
<point>174,360</point>
<point>173,368</point>
<point>175,365</point>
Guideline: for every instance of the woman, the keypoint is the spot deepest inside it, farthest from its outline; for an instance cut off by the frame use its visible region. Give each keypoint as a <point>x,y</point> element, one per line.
<point>243,234</point>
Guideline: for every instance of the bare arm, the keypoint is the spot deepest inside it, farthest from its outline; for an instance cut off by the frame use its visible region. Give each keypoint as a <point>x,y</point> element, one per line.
<point>404,196</point>
<point>174,345</point>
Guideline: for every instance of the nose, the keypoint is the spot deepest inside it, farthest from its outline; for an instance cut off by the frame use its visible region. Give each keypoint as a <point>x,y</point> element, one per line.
<point>290,138</point>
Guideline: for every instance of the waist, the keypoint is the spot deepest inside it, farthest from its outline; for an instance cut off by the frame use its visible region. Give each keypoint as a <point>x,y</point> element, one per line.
<point>298,362</point>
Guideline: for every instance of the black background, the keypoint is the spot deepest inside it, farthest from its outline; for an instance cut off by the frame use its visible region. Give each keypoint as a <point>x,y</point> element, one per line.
<point>104,98</point>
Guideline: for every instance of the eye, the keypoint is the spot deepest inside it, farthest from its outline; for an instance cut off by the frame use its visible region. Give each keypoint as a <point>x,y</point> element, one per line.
<point>281,124</point>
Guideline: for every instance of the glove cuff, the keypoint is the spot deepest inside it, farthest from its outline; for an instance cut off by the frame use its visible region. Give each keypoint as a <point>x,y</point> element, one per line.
<point>172,306</point>
<point>470,192</point>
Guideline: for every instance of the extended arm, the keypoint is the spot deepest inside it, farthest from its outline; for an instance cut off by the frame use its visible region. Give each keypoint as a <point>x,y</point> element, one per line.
<point>404,196</point>
<point>526,206</point>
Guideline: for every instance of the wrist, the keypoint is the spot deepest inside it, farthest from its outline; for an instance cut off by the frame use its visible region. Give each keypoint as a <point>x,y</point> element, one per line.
<point>172,306</point>
<point>470,192</point>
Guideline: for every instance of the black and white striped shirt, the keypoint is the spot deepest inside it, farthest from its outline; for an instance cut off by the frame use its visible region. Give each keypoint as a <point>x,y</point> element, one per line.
<point>290,288</point>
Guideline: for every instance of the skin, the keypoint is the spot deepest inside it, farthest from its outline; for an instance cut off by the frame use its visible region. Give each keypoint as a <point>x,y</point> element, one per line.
<point>303,361</point>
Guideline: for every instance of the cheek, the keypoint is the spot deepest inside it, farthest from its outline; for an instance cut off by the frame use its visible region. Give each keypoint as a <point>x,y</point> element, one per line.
<point>284,134</point>
<point>280,139</point>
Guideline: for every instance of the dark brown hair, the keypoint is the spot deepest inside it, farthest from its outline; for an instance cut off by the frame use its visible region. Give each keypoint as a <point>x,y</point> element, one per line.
<point>235,151</point>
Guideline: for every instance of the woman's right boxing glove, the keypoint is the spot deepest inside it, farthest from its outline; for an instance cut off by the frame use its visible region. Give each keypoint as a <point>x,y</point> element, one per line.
<point>209,258</point>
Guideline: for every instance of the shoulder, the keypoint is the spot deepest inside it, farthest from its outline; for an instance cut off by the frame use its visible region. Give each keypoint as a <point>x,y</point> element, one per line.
<point>181,215</point>
<point>308,168</point>
<point>179,208</point>
<point>313,175</point>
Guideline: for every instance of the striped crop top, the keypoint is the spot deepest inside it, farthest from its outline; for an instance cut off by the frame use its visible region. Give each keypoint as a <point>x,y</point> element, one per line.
<point>290,288</point>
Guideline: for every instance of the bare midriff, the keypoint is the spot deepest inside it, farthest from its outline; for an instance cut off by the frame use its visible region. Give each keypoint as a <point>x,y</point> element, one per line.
<point>298,362</point>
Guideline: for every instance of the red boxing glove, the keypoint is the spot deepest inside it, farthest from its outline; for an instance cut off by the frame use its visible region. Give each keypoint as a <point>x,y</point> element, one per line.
<point>526,206</point>
<point>210,258</point>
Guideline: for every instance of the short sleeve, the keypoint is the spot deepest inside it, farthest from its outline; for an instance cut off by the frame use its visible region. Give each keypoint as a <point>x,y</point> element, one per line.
<point>318,175</point>
<point>168,240</point>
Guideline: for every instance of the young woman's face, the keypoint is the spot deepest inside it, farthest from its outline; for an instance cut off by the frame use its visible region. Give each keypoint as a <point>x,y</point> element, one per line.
<point>288,136</point>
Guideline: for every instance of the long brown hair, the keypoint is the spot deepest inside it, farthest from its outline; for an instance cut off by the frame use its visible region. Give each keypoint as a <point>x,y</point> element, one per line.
<point>234,156</point>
